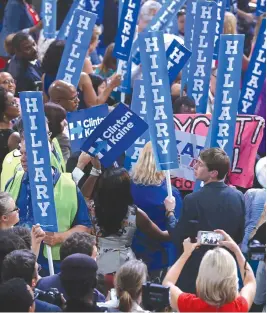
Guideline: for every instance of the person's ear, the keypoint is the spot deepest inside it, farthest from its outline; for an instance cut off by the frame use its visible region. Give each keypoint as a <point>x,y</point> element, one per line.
<point>214,174</point>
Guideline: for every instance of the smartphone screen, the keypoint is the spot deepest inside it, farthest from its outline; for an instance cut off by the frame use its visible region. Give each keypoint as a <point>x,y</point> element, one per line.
<point>209,238</point>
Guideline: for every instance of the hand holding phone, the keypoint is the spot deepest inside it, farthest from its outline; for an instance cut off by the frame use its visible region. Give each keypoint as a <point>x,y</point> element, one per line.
<point>209,238</point>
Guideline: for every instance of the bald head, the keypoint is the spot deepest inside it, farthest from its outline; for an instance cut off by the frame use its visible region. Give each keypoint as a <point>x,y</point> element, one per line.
<point>64,94</point>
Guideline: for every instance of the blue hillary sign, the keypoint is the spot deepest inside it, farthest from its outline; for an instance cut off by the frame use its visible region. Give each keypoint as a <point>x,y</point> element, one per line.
<point>177,56</point>
<point>126,72</point>
<point>227,92</point>
<point>138,106</point>
<point>82,123</point>
<point>66,26</point>
<point>158,97</point>
<point>159,22</point>
<point>221,6</point>
<point>49,18</point>
<point>201,59</point>
<point>191,7</point>
<point>38,160</point>
<point>261,7</point>
<point>76,47</point>
<point>255,75</point>
<point>114,135</point>
<point>126,30</point>
<point>96,7</point>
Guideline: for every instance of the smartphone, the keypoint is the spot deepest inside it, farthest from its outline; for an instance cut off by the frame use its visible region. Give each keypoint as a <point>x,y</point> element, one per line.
<point>209,238</point>
<point>113,294</point>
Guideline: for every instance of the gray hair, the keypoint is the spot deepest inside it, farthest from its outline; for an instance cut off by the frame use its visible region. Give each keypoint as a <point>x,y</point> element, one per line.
<point>4,201</point>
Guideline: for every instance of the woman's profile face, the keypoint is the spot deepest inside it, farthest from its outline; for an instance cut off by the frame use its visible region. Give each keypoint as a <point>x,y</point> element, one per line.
<point>13,107</point>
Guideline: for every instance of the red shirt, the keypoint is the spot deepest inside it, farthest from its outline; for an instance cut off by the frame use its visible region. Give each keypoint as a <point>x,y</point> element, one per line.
<point>188,302</point>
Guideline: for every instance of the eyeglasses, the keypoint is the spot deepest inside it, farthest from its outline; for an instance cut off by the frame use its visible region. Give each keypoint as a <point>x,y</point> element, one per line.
<point>13,103</point>
<point>14,210</point>
<point>76,98</point>
<point>9,82</point>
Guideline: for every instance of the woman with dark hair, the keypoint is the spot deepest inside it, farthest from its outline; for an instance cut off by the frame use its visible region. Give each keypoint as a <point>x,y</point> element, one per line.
<point>9,110</point>
<point>116,218</point>
<point>87,95</point>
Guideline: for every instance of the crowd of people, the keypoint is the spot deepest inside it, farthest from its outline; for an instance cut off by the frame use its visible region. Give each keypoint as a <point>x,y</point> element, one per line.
<point>122,243</point>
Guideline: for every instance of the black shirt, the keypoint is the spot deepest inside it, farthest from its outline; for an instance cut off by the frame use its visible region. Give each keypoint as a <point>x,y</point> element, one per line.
<point>4,135</point>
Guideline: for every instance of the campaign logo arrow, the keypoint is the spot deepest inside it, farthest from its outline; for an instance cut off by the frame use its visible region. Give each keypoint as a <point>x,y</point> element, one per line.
<point>76,130</point>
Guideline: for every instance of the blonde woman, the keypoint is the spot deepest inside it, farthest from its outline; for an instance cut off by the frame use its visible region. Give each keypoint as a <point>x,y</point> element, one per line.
<point>217,281</point>
<point>149,189</point>
<point>128,284</point>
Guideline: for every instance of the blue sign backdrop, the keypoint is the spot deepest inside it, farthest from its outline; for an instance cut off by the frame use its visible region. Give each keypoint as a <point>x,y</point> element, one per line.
<point>82,123</point>
<point>191,7</point>
<point>76,47</point>
<point>114,135</point>
<point>227,92</point>
<point>219,26</point>
<point>177,56</point>
<point>126,30</point>
<point>66,26</point>
<point>201,59</point>
<point>38,160</point>
<point>138,106</point>
<point>96,7</point>
<point>158,97</point>
<point>49,18</point>
<point>261,7</point>
<point>159,22</point>
<point>255,75</point>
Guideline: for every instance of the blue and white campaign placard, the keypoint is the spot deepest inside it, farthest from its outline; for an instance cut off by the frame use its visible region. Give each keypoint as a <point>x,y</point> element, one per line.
<point>255,75</point>
<point>261,7</point>
<point>172,28</point>
<point>227,92</point>
<point>49,18</point>
<point>177,56</point>
<point>114,135</point>
<point>76,47</point>
<point>221,7</point>
<point>189,147</point>
<point>82,123</point>
<point>66,26</point>
<point>201,59</point>
<point>126,77</point>
<point>159,22</point>
<point>191,7</point>
<point>158,97</point>
<point>38,160</point>
<point>126,30</point>
<point>96,7</point>
<point>138,106</point>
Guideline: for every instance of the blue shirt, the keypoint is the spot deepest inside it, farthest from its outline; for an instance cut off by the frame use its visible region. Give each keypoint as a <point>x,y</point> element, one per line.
<point>42,306</point>
<point>151,200</point>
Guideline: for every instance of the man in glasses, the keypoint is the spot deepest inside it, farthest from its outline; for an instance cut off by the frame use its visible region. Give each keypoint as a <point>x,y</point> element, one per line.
<point>22,264</point>
<point>72,212</point>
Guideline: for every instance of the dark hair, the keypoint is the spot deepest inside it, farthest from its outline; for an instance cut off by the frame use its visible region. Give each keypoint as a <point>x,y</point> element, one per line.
<point>18,39</point>
<point>112,196</point>
<point>216,160</point>
<point>180,101</point>
<point>3,102</point>
<point>24,233</point>
<point>108,61</point>
<point>18,126</point>
<point>15,296</point>
<point>77,243</point>
<point>96,81</point>
<point>19,263</point>
<point>55,114</point>
<point>4,199</point>
<point>52,57</point>
<point>8,243</point>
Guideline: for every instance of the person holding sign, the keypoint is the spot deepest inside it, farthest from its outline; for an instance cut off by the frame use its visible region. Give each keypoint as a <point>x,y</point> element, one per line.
<point>216,205</point>
<point>72,212</point>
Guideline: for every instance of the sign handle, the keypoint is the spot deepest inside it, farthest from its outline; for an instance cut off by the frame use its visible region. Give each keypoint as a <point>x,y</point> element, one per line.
<point>50,260</point>
<point>169,184</point>
<point>120,72</point>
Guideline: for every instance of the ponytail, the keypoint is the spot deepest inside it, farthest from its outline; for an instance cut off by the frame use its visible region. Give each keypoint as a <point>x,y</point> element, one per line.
<point>125,302</point>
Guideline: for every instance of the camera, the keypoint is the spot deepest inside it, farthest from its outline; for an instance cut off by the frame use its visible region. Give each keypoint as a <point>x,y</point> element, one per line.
<point>256,251</point>
<point>155,297</point>
<point>52,296</point>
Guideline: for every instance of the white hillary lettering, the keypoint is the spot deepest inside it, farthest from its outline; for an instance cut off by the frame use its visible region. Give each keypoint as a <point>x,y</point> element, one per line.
<point>35,158</point>
<point>67,77</point>
<point>48,18</point>
<point>164,144</point>
<point>223,130</point>
<point>160,114</point>
<point>222,143</point>
<point>156,98</point>
<point>206,12</point>
<point>260,57</point>
<point>246,105</point>
<point>126,28</point>
<point>31,106</point>
<point>202,44</point>
<point>143,108</point>
<point>256,70</point>
<point>43,206</point>
<point>41,192</point>
<point>79,36</point>
<point>200,56</point>
<point>153,58</point>
<point>39,175</point>
<point>73,53</point>
<point>197,97</point>
<point>48,8</point>
<point>161,18</point>
<point>253,81</point>
<point>129,15</point>
<point>198,85</point>
<point>35,144</point>
<point>84,22</point>
<point>231,47</point>
<point>33,124</point>
<point>69,68</point>
<point>162,130</point>
<point>154,81</point>
<point>176,55</point>
<point>227,82</point>
<point>152,44</point>
<point>124,40</point>
<point>225,115</point>
<point>205,27</point>
<point>94,5</point>
<point>250,93</point>
<point>200,71</point>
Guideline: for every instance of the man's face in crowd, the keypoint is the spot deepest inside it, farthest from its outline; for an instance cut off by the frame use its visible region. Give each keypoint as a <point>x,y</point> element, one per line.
<point>202,172</point>
<point>181,23</point>
<point>7,82</point>
<point>71,102</point>
<point>186,109</point>
<point>28,50</point>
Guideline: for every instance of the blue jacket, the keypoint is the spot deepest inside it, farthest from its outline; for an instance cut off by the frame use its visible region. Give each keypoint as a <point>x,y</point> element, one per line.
<point>16,18</point>
<point>150,199</point>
